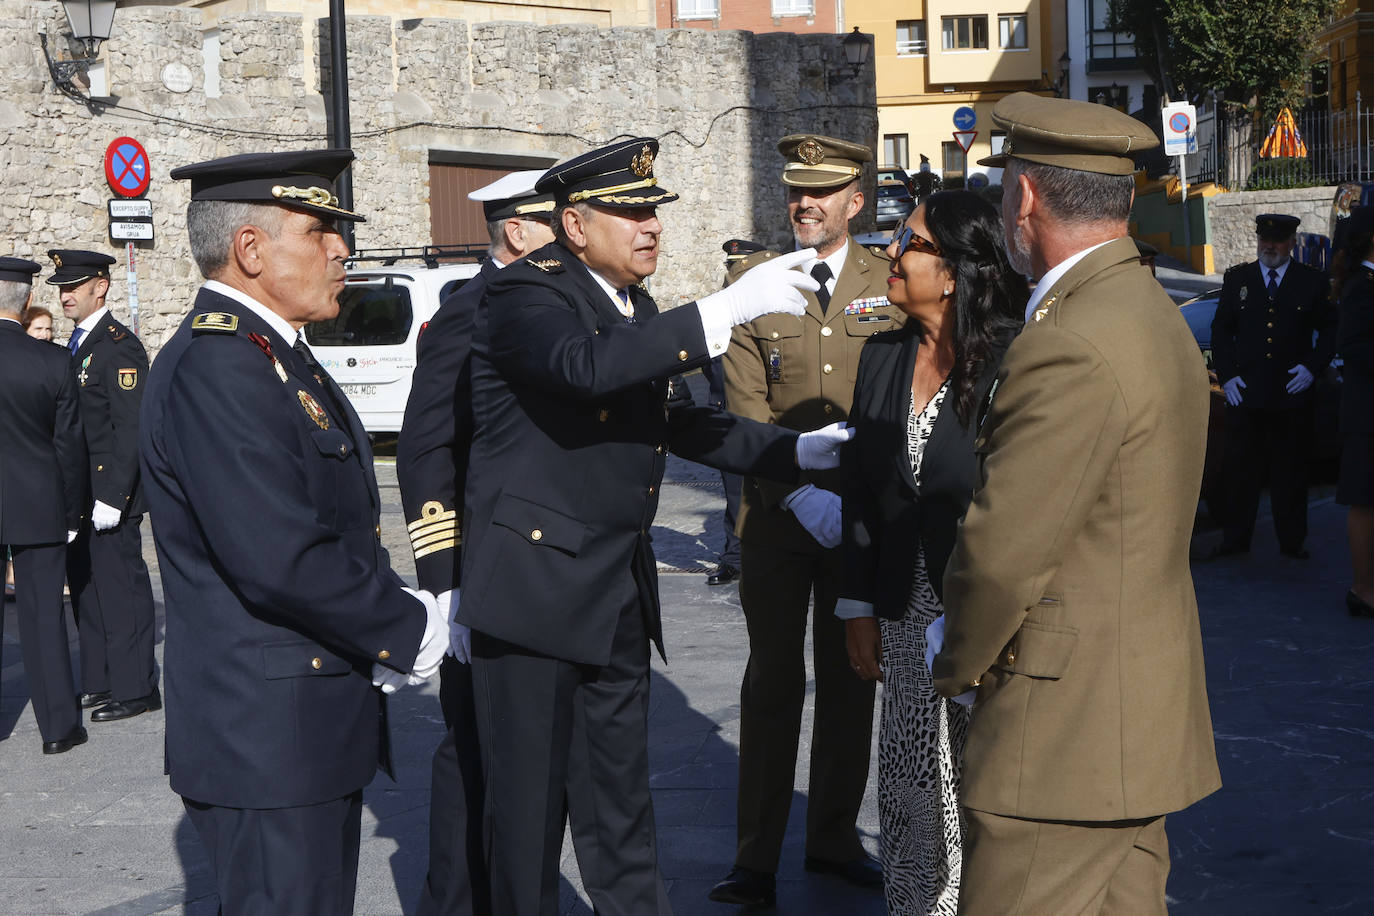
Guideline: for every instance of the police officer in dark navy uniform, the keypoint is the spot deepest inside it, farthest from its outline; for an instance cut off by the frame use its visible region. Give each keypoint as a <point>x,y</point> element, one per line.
<point>431,467</point>
<point>1273,335</point>
<point>112,596</point>
<point>284,617</point>
<point>559,585</point>
<point>42,501</point>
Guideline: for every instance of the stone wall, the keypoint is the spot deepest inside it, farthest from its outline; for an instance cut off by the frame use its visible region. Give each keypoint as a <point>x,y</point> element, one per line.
<point>719,100</point>
<point>1232,218</point>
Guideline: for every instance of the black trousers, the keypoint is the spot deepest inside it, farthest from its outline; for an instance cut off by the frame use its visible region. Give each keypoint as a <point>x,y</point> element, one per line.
<point>112,600</point>
<point>568,743</point>
<point>1267,446</point>
<point>729,554</point>
<point>300,861</point>
<point>456,884</point>
<point>776,587</point>
<point>38,574</point>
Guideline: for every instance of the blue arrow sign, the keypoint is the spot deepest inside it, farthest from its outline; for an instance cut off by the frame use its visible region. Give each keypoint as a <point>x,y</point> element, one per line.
<point>965,117</point>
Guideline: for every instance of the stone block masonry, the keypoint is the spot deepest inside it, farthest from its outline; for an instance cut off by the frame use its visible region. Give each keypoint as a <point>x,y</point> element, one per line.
<point>718,100</point>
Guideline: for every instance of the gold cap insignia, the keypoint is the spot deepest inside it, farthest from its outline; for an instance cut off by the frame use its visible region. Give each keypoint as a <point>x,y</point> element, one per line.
<point>57,260</point>
<point>313,409</point>
<point>128,379</point>
<point>1006,147</point>
<point>643,164</point>
<point>810,152</point>
<point>319,197</point>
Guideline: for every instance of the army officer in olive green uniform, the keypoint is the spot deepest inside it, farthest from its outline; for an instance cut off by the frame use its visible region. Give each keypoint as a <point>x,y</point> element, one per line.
<point>799,372</point>
<point>1068,600</point>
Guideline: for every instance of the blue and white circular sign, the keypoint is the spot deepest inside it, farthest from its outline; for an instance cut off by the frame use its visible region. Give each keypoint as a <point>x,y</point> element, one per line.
<point>965,117</point>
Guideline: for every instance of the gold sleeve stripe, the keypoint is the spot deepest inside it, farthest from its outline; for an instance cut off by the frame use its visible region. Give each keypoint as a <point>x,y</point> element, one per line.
<point>436,528</point>
<point>435,548</point>
<point>417,543</point>
<point>431,513</point>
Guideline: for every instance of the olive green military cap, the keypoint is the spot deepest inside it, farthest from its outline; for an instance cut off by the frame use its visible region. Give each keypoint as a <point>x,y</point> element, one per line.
<point>815,161</point>
<point>1069,134</point>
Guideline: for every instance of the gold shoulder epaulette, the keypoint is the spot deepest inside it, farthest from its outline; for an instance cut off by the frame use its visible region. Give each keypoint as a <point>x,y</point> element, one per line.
<point>217,322</point>
<point>436,529</point>
<point>548,265</point>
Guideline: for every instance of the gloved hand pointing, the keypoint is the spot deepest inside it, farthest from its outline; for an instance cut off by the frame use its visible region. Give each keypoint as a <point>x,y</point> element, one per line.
<point>819,450</point>
<point>772,286</point>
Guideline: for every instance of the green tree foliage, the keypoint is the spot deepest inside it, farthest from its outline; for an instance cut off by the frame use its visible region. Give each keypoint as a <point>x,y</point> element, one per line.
<point>1257,53</point>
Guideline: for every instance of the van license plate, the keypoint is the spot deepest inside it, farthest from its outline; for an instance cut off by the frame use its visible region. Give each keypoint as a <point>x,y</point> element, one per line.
<point>359,391</point>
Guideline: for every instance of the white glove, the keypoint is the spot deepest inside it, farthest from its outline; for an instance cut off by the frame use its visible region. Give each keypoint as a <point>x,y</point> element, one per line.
<point>819,450</point>
<point>71,536</point>
<point>935,641</point>
<point>459,636</point>
<point>772,286</point>
<point>818,511</point>
<point>1232,389</point>
<point>1301,380</point>
<point>435,642</point>
<point>104,517</point>
<point>389,679</point>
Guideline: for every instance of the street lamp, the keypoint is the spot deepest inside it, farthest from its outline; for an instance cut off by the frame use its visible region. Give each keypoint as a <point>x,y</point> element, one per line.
<point>856,49</point>
<point>90,22</point>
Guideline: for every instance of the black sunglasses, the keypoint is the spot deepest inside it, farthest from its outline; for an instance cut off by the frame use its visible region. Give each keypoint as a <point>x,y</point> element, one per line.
<point>906,239</point>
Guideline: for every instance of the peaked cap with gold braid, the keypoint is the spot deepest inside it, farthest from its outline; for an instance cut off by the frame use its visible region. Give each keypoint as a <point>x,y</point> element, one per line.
<point>619,175</point>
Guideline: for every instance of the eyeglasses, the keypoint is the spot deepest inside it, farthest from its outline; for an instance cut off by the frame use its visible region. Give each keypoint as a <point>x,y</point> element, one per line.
<point>906,239</point>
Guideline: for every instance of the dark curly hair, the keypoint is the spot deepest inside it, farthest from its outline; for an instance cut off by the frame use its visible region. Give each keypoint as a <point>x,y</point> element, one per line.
<point>989,296</point>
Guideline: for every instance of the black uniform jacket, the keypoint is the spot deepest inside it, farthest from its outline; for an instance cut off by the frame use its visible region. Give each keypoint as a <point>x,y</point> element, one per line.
<point>571,437</point>
<point>885,514</point>
<point>432,452</point>
<point>111,371</point>
<point>1357,348</point>
<point>42,451</point>
<point>1260,339</point>
<point>279,594</point>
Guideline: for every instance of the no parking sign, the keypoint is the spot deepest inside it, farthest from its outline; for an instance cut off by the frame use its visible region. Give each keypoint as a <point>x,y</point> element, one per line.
<point>126,167</point>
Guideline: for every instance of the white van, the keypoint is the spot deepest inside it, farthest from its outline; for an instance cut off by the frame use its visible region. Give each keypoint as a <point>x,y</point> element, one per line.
<point>388,299</point>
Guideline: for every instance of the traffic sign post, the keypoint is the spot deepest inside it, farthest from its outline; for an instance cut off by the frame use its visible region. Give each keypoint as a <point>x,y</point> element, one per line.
<point>1180,139</point>
<point>131,279</point>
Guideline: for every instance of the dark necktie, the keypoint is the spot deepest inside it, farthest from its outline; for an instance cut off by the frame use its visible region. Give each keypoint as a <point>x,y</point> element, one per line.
<point>1273,282</point>
<point>626,310</point>
<point>75,342</point>
<point>321,376</point>
<point>821,273</point>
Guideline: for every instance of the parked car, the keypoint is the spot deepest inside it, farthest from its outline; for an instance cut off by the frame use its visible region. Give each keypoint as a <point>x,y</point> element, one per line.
<point>1326,449</point>
<point>893,173</point>
<point>895,204</point>
<point>388,298</point>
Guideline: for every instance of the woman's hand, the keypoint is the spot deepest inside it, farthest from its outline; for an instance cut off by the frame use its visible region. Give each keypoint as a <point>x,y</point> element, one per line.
<point>864,641</point>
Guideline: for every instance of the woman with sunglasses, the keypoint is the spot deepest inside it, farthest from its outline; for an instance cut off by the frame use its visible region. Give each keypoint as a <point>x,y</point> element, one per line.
<point>909,474</point>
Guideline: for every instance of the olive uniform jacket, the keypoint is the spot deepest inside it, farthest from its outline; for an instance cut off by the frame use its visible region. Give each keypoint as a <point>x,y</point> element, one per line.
<point>1260,338</point>
<point>111,369</point>
<point>1068,593</point>
<point>799,372</point>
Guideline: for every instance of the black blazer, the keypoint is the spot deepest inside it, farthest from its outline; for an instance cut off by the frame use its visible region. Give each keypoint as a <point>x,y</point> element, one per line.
<point>1357,348</point>
<point>111,371</point>
<point>42,451</point>
<point>279,593</point>
<point>572,427</point>
<point>885,514</point>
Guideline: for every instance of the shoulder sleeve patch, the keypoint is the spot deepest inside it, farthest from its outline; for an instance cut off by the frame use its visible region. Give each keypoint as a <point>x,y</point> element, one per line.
<point>547,265</point>
<point>215,322</point>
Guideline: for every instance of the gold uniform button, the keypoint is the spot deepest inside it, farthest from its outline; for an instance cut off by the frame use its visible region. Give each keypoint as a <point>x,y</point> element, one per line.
<point>775,335</point>
<point>826,332</point>
<point>1010,657</point>
<point>829,408</point>
<point>651,491</point>
<point>603,415</point>
<point>100,467</point>
<point>827,368</point>
<point>378,530</point>
<point>1269,325</point>
<point>384,655</point>
<point>316,664</point>
<point>980,442</point>
<point>1268,356</point>
<point>343,449</point>
<point>660,450</point>
<point>682,355</point>
<point>536,535</point>
<point>1268,340</point>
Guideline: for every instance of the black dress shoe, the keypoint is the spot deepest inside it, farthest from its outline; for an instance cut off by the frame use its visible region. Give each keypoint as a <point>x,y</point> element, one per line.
<point>724,574</point>
<point>746,887</point>
<point>127,709</point>
<point>861,872</point>
<point>1296,553</point>
<point>1357,606</point>
<point>99,698</point>
<point>76,736</point>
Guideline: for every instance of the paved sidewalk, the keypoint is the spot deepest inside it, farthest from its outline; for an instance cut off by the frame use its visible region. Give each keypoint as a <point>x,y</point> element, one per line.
<point>96,830</point>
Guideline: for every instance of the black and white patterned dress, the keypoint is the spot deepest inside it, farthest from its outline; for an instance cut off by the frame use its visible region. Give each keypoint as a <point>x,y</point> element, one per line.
<point>920,744</point>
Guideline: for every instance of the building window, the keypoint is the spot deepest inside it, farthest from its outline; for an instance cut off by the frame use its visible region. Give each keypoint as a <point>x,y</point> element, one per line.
<point>794,7</point>
<point>964,33</point>
<point>997,139</point>
<point>1107,50</point>
<point>895,150</point>
<point>955,162</point>
<point>1011,31</point>
<point>698,9</point>
<point>911,37</point>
